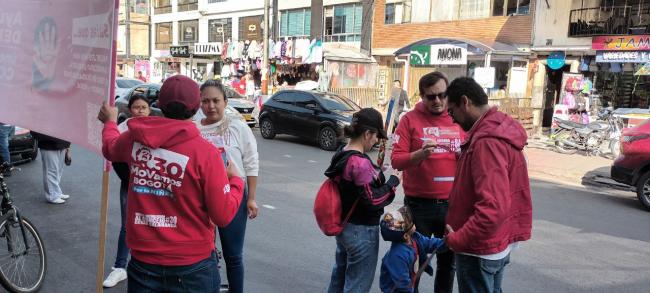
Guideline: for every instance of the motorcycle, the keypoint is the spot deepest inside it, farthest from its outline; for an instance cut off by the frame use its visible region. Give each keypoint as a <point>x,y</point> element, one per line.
<point>570,137</point>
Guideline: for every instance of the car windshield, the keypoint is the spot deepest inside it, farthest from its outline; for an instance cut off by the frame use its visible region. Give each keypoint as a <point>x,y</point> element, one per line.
<point>337,103</point>
<point>127,83</point>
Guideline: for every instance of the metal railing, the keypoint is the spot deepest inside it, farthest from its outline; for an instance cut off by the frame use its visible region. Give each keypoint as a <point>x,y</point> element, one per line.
<point>363,96</point>
<point>612,20</point>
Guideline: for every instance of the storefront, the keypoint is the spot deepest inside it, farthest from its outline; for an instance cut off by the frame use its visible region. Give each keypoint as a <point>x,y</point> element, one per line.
<point>619,59</point>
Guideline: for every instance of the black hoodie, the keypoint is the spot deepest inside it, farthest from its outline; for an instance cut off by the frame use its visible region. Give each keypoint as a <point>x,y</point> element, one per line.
<point>373,196</point>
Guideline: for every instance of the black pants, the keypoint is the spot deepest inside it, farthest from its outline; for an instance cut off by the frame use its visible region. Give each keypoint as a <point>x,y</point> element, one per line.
<point>429,218</point>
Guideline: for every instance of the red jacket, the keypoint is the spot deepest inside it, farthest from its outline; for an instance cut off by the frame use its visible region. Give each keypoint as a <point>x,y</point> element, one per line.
<point>433,177</point>
<point>490,205</point>
<point>178,189</point>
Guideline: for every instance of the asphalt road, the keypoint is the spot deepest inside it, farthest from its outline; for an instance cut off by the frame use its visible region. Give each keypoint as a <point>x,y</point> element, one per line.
<point>583,240</point>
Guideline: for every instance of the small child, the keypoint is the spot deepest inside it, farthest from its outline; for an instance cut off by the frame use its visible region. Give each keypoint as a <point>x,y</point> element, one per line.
<point>407,252</point>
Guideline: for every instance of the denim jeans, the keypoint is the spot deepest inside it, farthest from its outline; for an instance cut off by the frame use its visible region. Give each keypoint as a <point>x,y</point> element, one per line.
<point>5,133</point>
<point>122,248</point>
<point>202,276</point>
<point>478,275</point>
<point>429,218</point>
<point>357,248</point>
<point>232,243</point>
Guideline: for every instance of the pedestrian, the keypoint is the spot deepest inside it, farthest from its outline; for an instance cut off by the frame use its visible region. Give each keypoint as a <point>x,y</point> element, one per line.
<point>138,107</point>
<point>400,102</point>
<point>365,191</point>
<point>490,209</point>
<point>424,148</point>
<point>54,153</point>
<point>179,190</point>
<point>236,139</point>
<point>5,156</point>
<point>400,265</point>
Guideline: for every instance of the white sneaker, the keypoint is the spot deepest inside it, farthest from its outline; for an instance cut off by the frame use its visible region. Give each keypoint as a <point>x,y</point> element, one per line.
<point>64,196</point>
<point>116,276</point>
<point>57,201</point>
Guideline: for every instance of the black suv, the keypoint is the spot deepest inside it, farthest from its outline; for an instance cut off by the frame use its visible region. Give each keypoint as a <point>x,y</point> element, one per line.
<point>314,115</point>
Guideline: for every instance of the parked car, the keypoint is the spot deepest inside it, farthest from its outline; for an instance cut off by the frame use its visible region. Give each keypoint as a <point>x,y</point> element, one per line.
<point>151,90</point>
<point>123,85</point>
<point>314,115</point>
<point>242,105</point>
<point>23,144</point>
<point>632,167</point>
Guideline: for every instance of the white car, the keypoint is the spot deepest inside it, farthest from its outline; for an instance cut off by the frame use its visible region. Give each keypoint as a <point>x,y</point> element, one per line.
<point>122,85</point>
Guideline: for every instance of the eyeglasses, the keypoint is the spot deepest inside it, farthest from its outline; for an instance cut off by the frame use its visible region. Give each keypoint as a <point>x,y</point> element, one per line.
<point>440,96</point>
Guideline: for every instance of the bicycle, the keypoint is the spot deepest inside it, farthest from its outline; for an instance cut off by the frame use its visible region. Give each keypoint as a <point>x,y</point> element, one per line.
<point>23,263</point>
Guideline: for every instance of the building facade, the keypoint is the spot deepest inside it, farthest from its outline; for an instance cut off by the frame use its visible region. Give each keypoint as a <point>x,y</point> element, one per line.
<point>133,46</point>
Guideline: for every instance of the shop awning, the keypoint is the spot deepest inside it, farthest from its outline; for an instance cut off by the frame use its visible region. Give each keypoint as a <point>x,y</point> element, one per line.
<point>346,55</point>
<point>473,47</point>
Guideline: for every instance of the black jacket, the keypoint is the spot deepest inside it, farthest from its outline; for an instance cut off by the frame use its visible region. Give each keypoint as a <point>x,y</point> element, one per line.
<point>373,197</point>
<point>49,143</point>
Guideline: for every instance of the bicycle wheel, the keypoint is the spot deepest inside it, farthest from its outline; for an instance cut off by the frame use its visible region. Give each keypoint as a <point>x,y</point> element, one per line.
<point>21,270</point>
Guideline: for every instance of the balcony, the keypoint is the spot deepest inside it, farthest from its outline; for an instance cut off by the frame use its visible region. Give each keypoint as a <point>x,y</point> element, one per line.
<point>613,20</point>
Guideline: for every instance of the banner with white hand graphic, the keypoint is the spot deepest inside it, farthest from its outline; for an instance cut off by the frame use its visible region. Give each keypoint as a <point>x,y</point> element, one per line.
<point>56,66</point>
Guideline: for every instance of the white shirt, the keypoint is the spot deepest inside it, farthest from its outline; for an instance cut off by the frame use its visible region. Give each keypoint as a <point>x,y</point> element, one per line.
<point>240,144</point>
<point>498,255</point>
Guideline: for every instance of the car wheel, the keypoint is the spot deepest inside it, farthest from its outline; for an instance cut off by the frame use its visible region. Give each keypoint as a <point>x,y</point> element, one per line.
<point>643,190</point>
<point>327,139</point>
<point>267,129</point>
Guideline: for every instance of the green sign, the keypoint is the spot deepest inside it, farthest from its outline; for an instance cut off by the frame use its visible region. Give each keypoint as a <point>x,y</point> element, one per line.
<point>420,55</point>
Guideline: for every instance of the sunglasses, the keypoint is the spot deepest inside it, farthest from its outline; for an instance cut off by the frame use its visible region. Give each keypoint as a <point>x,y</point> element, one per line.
<point>440,96</point>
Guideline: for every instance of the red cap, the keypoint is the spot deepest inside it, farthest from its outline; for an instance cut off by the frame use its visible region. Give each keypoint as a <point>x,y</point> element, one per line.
<point>180,89</point>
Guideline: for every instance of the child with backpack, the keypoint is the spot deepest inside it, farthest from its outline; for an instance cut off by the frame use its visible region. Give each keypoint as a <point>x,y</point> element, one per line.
<point>408,251</point>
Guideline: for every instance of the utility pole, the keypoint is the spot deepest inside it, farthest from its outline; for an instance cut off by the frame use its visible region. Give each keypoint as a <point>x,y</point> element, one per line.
<point>265,59</point>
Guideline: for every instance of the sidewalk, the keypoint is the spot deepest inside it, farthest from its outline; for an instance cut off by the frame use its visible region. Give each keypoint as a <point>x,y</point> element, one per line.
<point>578,169</point>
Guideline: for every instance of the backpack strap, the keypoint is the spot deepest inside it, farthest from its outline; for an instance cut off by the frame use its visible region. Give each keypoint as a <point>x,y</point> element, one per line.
<point>347,217</point>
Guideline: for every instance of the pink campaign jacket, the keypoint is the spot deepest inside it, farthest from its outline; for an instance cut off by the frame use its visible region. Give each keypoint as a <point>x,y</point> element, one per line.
<point>490,204</point>
<point>178,189</point>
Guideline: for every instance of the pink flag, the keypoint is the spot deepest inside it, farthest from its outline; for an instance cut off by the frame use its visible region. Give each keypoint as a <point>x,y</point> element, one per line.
<point>56,66</point>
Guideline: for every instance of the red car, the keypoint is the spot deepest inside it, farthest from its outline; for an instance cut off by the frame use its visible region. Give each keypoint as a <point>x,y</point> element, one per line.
<point>632,167</point>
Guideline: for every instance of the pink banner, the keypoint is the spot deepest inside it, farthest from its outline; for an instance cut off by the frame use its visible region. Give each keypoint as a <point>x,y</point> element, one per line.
<point>55,66</point>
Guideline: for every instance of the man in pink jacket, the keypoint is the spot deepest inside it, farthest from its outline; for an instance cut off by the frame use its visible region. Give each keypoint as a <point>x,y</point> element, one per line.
<point>490,208</point>
<point>179,190</point>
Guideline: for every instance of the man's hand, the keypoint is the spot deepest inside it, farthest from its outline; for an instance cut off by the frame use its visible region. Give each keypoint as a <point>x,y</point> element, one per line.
<point>252,209</point>
<point>428,147</point>
<point>231,170</point>
<point>107,113</point>
<point>448,231</point>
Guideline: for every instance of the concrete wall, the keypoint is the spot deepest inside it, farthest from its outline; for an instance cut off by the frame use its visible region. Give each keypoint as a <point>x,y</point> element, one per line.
<point>553,23</point>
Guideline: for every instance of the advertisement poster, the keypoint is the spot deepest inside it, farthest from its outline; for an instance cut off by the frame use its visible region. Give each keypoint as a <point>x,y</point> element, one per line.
<point>143,67</point>
<point>55,66</point>
<point>448,139</point>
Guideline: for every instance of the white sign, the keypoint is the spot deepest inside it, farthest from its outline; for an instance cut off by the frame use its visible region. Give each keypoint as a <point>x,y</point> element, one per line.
<point>485,76</point>
<point>207,48</point>
<point>449,54</point>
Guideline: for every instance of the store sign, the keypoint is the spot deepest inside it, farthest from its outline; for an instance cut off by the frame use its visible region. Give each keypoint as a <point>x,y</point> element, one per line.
<point>179,51</point>
<point>485,76</point>
<point>622,56</point>
<point>189,34</point>
<point>207,48</point>
<point>621,43</point>
<point>439,55</point>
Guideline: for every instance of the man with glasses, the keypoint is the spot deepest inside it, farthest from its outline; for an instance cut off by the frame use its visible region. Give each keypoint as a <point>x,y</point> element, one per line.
<point>490,206</point>
<point>425,147</point>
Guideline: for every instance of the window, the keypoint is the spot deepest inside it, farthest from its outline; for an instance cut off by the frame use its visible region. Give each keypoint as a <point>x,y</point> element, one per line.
<point>219,30</point>
<point>344,24</point>
<point>216,1</point>
<point>162,6</point>
<point>188,32</point>
<point>510,7</point>
<point>285,98</point>
<point>188,5</point>
<point>337,103</point>
<point>295,23</point>
<point>163,35</point>
<point>389,14</point>
<point>250,28</point>
<point>302,100</point>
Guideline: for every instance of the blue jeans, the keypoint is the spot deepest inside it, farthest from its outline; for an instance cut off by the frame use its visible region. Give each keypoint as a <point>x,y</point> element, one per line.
<point>201,277</point>
<point>232,243</point>
<point>122,248</point>
<point>477,275</point>
<point>357,248</point>
<point>5,133</point>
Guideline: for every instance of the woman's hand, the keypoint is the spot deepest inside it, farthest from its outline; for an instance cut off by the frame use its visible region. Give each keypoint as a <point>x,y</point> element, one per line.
<point>252,209</point>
